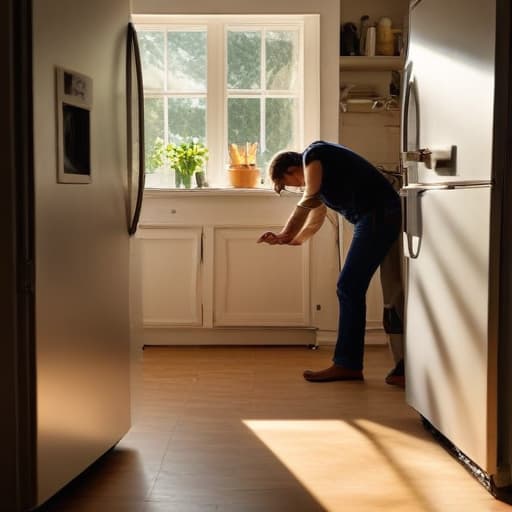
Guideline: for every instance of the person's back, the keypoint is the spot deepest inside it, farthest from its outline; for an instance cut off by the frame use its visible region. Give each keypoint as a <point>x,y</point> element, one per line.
<point>351,185</point>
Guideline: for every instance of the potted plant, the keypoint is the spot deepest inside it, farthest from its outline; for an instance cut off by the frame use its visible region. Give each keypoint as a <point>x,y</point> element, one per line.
<point>187,158</point>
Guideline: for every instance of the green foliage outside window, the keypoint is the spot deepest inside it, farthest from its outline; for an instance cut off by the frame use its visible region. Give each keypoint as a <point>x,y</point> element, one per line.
<point>186,119</point>
<point>244,60</point>
<point>281,60</point>
<point>154,132</point>
<point>186,61</point>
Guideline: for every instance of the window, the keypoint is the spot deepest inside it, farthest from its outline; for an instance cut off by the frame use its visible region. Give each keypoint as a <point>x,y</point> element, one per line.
<point>222,80</point>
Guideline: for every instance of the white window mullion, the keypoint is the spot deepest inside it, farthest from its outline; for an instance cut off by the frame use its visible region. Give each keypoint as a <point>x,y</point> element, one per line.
<point>166,120</point>
<point>165,97</point>
<point>215,116</point>
<point>263,87</point>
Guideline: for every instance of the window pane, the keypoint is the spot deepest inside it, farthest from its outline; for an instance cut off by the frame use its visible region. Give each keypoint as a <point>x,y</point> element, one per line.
<point>153,128</point>
<point>280,127</point>
<point>152,57</point>
<point>187,119</point>
<point>282,50</point>
<point>186,52</point>
<point>244,60</point>
<point>243,120</point>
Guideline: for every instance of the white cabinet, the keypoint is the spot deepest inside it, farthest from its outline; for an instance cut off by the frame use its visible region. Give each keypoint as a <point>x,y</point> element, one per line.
<point>171,276</point>
<point>205,280</point>
<point>258,284</point>
<point>241,284</point>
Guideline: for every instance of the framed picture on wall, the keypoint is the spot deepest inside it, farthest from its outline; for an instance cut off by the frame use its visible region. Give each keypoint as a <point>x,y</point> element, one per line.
<point>74,105</point>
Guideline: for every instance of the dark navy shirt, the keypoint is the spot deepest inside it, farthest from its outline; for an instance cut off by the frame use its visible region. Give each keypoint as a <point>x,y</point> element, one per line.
<point>351,185</point>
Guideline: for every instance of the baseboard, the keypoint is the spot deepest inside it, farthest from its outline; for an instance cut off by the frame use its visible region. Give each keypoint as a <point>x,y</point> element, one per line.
<point>374,336</point>
<point>250,336</point>
<point>229,336</point>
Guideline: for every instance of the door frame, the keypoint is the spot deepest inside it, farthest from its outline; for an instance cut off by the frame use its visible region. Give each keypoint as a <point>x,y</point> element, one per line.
<point>500,321</point>
<point>17,364</point>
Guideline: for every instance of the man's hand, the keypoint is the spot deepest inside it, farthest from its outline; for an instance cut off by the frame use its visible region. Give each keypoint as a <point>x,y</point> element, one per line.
<point>274,238</point>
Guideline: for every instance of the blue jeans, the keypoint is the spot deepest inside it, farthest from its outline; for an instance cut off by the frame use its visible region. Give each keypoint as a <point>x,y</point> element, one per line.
<point>374,234</point>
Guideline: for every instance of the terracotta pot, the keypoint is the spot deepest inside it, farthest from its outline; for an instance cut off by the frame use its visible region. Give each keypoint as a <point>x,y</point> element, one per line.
<point>242,176</point>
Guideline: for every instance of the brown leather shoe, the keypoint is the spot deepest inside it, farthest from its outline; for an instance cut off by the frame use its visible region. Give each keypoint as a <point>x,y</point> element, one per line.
<point>396,377</point>
<point>333,373</point>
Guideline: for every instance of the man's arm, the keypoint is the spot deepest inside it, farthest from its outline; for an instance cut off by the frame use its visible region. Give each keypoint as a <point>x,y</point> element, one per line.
<point>299,219</point>
<point>313,223</point>
<point>292,227</point>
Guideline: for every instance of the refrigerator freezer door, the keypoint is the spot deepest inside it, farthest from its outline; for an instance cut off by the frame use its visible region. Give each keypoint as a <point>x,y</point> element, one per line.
<point>446,318</point>
<point>450,88</point>
<point>82,247</point>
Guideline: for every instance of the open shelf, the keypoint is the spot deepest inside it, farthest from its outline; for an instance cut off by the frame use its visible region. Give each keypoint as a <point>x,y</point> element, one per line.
<point>378,63</point>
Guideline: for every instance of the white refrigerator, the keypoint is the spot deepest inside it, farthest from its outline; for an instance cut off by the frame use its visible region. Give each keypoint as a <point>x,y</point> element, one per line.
<point>457,162</point>
<point>88,181</point>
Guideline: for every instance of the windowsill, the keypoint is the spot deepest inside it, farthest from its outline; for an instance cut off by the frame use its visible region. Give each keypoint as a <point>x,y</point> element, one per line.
<point>208,192</point>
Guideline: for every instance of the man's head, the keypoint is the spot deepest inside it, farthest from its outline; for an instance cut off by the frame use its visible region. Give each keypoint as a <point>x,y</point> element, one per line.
<point>282,169</point>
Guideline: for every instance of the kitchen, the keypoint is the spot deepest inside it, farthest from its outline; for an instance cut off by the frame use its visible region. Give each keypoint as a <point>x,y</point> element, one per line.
<point>64,199</point>
<point>218,219</point>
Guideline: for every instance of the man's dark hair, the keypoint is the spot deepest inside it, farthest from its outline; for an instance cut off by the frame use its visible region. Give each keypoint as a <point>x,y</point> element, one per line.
<point>279,166</point>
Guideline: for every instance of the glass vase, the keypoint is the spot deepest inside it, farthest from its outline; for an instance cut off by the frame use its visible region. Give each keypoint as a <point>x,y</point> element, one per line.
<point>186,180</point>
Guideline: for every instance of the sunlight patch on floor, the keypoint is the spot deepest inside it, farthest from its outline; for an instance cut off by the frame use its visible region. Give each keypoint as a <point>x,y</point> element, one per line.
<point>357,464</point>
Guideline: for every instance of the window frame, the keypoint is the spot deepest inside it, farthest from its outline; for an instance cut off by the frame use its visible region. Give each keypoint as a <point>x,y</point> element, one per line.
<point>217,28</point>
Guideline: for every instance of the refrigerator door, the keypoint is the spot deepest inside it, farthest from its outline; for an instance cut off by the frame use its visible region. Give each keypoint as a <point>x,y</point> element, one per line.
<point>449,93</point>
<point>82,248</point>
<point>447,316</point>
<point>447,151</point>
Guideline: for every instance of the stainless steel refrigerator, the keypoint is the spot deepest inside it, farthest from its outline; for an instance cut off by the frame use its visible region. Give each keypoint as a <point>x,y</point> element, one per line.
<point>87,185</point>
<point>456,155</point>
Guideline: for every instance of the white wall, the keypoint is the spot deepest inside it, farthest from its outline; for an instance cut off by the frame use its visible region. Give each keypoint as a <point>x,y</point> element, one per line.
<point>329,11</point>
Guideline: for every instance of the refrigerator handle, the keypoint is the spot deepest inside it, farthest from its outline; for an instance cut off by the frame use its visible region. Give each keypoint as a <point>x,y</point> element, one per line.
<point>404,122</point>
<point>442,160</point>
<point>407,86</point>
<point>133,54</point>
<point>412,222</point>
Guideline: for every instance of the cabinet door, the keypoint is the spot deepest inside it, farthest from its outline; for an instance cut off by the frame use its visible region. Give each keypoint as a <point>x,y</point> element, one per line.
<point>171,276</point>
<point>259,284</point>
